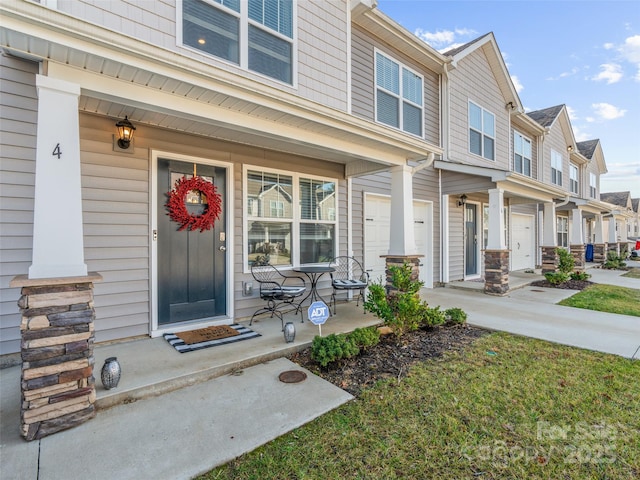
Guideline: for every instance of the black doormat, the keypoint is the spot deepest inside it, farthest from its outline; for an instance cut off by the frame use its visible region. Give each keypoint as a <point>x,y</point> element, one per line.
<point>243,333</point>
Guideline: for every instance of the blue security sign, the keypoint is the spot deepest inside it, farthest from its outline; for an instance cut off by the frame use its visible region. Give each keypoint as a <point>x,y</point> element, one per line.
<point>318,313</point>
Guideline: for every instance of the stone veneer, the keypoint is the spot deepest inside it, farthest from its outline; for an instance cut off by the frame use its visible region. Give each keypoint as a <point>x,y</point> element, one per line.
<point>549,260</point>
<point>58,386</point>
<point>600,252</point>
<point>399,261</point>
<point>496,272</point>
<point>578,254</point>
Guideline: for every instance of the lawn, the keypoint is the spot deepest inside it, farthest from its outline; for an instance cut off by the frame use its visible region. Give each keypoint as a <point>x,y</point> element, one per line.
<point>634,272</point>
<point>606,298</point>
<point>505,407</point>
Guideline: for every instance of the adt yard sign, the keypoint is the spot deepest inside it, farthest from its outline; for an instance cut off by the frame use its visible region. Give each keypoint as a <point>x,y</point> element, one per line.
<point>318,313</point>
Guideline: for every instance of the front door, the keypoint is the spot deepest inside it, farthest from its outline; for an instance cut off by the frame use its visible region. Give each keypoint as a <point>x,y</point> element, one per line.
<point>191,263</point>
<point>471,239</point>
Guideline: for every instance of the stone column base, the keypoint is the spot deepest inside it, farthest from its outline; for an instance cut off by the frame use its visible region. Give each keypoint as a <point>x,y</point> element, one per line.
<point>549,260</point>
<point>399,261</point>
<point>496,272</point>
<point>613,248</point>
<point>600,252</point>
<point>58,386</point>
<point>578,254</point>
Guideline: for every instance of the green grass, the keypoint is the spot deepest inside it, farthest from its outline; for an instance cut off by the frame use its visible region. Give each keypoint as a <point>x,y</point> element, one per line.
<point>606,298</point>
<point>633,273</point>
<point>507,407</point>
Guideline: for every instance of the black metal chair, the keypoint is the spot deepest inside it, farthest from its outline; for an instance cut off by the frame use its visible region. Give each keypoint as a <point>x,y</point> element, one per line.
<point>348,275</point>
<point>277,290</point>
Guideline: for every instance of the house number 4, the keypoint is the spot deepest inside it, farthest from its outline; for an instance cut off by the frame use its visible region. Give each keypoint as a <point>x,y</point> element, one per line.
<point>57,152</point>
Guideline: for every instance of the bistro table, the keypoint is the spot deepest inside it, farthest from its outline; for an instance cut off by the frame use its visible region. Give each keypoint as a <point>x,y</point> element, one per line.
<point>314,273</point>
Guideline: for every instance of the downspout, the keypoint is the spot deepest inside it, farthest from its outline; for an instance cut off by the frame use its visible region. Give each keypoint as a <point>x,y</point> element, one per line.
<point>424,164</point>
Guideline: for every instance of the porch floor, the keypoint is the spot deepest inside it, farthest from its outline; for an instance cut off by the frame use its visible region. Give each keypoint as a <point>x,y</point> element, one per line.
<point>151,366</point>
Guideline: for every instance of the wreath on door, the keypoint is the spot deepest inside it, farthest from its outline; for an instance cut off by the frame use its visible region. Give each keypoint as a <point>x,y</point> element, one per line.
<point>176,204</point>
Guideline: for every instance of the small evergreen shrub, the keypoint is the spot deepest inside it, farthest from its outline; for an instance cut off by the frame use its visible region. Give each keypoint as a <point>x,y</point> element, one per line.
<point>582,276</point>
<point>326,350</point>
<point>434,316</point>
<point>455,315</point>
<point>556,278</point>
<point>365,337</point>
<point>566,263</point>
<point>614,261</point>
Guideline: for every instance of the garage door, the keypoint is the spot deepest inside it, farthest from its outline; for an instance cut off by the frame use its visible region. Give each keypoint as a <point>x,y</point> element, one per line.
<point>522,242</point>
<point>377,213</point>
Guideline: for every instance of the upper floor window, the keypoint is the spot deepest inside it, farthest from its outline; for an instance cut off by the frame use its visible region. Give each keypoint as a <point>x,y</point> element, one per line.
<point>265,46</point>
<point>399,95</point>
<point>482,132</point>
<point>593,185</point>
<point>573,178</point>
<point>521,154</point>
<point>291,218</point>
<point>556,168</point>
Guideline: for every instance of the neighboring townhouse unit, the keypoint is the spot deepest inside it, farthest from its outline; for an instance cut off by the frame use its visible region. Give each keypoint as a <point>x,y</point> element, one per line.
<point>622,220</point>
<point>255,97</point>
<point>635,230</point>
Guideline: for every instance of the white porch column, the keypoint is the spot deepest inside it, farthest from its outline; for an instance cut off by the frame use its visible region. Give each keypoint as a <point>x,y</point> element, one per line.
<point>613,238</point>
<point>549,228</point>
<point>599,229</point>
<point>58,249</point>
<point>401,236</point>
<point>576,227</point>
<point>496,239</point>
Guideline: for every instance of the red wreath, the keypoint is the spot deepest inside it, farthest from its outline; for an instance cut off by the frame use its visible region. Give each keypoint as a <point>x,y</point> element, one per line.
<point>178,208</point>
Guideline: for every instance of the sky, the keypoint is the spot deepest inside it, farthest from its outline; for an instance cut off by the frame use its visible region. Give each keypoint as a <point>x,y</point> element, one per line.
<point>584,54</point>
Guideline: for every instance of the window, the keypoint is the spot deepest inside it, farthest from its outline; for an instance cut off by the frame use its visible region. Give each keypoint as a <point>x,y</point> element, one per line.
<point>562,227</point>
<point>265,46</point>
<point>481,132</point>
<point>593,185</point>
<point>521,154</point>
<point>291,219</point>
<point>573,178</point>
<point>398,96</point>
<point>556,168</point>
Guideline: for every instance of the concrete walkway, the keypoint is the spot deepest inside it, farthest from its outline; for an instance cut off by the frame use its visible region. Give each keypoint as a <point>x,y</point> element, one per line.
<point>186,432</point>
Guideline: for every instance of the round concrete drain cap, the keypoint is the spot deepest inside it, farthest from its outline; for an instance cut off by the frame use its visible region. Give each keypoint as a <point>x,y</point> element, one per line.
<point>292,376</point>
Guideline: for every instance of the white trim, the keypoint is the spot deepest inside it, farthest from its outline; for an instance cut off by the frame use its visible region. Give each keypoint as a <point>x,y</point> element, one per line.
<point>482,132</point>
<point>295,219</point>
<point>427,276</point>
<point>532,220</point>
<point>444,214</point>
<point>513,153</point>
<point>478,234</point>
<point>155,329</point>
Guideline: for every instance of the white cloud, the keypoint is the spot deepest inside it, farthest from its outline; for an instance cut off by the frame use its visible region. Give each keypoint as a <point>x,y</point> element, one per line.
<point>445,39</point>
<point>516,83</point>
<point>572,113</point>
<point>630,51</point>
<point>611,72</point>
<point>580,134</point>
<point>606,111</point>
<point>608,46</point>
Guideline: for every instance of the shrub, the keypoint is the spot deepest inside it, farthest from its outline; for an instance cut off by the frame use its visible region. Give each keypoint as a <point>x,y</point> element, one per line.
<point>434,316</point>
<point>614,261</point>
<point>331,348</point>
<point>365,337</point>
<point>455,315</point>
<point>556,278</point>
<point>566,263</point>
<point>579,276</point>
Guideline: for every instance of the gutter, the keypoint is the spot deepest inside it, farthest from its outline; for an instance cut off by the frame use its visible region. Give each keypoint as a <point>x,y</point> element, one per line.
<point>423,164</point>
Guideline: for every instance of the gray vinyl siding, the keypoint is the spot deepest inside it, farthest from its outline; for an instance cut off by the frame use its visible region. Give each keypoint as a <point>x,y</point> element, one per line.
<point>321,41</point>
<point>454,183</point>
<point>425,187</point>
<point>456,240</point>
<point>473,80</point>
<point>556,140</point>
<point>18,110</point>
<point>363,88</point>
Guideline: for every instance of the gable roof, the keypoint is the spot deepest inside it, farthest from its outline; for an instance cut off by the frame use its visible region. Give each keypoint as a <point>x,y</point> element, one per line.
<point>588,147</point>
<point>616,198</point>
<point>547,116</point>
<point>635,202</point>
<point>496,62</point>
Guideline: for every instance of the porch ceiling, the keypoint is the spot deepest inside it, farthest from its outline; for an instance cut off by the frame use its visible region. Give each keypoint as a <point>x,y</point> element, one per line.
<point>121,76</point>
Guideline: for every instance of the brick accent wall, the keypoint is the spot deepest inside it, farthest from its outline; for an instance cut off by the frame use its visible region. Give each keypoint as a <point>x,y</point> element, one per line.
<point>496,272</point>
<point>578,254</point>
<point>600,252</point>
<point>549,260</point>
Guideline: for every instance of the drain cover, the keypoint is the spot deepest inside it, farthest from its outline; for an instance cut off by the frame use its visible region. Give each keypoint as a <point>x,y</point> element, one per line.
<point>292,376</point>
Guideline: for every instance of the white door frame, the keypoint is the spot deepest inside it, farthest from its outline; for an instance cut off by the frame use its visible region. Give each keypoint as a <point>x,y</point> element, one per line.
<point>154,331</point>
<point>479,240</point>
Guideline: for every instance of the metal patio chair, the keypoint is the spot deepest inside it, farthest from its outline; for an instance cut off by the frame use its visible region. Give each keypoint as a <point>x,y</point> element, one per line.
<point>348,276</point>
<point>278,290</point>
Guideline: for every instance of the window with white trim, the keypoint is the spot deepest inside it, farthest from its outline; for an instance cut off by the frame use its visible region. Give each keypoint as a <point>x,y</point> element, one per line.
<point>482,132</point>
<point>593,185</point>
<point>521,154</point>
<point>556,168</point>
<point>290,218</point>
<point>573,178</point>
<point>399,96</point>
<point>265,46</point>
<point>562,229</point>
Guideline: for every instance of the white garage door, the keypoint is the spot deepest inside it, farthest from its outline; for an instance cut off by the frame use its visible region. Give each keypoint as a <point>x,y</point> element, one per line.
<point>522,242</point>
<point>377,213</point>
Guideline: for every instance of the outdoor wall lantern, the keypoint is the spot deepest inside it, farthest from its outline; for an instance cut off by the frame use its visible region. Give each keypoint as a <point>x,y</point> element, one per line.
<point>125,133</point>
<point>569,148</point>
<point>463,200</point>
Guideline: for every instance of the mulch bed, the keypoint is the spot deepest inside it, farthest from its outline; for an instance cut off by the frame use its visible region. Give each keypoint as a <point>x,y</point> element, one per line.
<point>568,285</point>
<point>392,357</point>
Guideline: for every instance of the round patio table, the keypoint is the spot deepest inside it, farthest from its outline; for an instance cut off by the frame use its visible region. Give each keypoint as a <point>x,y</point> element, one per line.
<point>313,273</point>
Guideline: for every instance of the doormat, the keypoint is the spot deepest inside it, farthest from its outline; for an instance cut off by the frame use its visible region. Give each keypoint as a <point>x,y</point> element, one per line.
<point>208,337</point>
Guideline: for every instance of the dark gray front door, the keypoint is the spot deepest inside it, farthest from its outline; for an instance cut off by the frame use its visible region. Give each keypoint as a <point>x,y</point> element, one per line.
<point>191,264</point>
<point>471,239</point>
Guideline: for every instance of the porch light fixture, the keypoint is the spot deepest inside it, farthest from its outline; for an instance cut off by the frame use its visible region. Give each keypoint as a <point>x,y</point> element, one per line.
<point>510,106</point>
<point>569,148</point>
<point>125,133</point>
<point>463,200</point>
